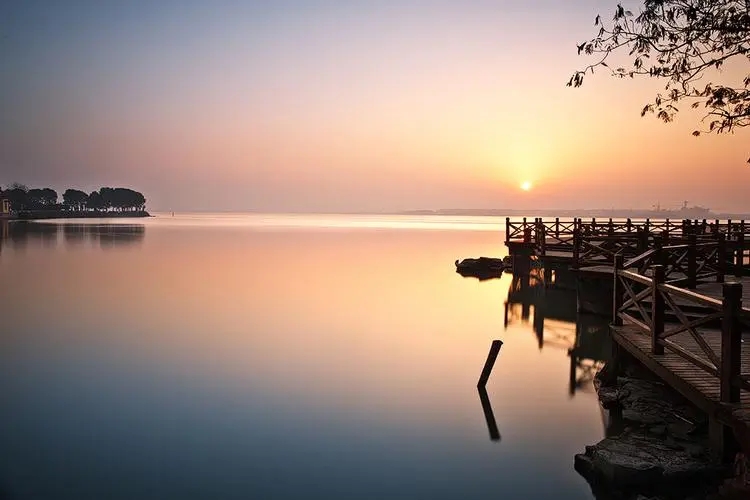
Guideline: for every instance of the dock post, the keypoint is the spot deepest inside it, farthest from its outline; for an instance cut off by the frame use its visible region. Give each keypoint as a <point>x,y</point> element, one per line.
<point>617,291</point>
<point>648,224</point>
<point>629,224</point>
<point>657,312</point>
<point>731,342</point>
<point>576,247</point>
<point>667,229</point>
<point>659,254</point>
<point>526,232</point>
<point>692,264</point>
<point>739,262</point>
<point>541,233</point>
<point>611,229</point>
<point>491,358</point>
<point>721,258</point>
<point>507,229</point>
<point>557,227</point>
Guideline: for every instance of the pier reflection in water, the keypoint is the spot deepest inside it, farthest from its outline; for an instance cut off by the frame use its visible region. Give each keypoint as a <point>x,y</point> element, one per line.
<point>549,305</point>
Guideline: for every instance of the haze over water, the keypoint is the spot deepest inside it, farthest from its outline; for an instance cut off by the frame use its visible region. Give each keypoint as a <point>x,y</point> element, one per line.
<point>272,356</point>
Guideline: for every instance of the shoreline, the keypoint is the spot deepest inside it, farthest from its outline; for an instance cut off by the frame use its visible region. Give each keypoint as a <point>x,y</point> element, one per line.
<point>42,215</point>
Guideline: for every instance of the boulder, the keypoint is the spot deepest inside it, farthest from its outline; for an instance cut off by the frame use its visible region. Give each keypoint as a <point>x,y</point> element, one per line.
<point>656,443</point>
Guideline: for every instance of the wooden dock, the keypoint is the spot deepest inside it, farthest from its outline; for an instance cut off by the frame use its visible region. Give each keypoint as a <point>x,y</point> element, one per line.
<point>700,387</point>
<point>678,295</point>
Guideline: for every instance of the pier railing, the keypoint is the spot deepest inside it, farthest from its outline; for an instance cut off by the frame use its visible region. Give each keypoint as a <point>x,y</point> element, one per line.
<point>696,249</point>
<point>645,301</point>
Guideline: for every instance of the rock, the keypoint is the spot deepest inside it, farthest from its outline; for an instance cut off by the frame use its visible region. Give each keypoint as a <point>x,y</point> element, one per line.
<point>658,430</point>
<point>656,444</point>
<point>609,397</point>
<point>482,268</point>
<point>633,460</point>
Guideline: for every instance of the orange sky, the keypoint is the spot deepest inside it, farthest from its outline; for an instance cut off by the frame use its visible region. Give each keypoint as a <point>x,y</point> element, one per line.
<point>332,106</point>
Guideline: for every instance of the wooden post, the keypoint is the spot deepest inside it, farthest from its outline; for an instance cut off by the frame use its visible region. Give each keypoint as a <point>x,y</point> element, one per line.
<point>526,232</point>
<point>507,229</point>
<point>489,416</point>
<point>657,312</point>
<point>611,229</point>
<point>692,264</point>
<point>557,227</point>
<point>740,252</point>
<point>731,342</point>
<point>593,225</point>
<point>576,247</point>
<point>542,234</point>
<point>667,227</point>
<point>617,290</point>
<point>642,240</point>
<point>659,255</point>
<point>721,258</point>
<point>491,357</point>
<point>716,226</point>
<point>629,225</point>
<point>648,225</point>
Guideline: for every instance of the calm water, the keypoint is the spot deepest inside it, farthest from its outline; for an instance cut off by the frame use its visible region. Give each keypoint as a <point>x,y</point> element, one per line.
<point>211,357</point>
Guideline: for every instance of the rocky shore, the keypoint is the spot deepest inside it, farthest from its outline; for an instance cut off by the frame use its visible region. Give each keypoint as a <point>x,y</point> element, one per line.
<point>656,445</point>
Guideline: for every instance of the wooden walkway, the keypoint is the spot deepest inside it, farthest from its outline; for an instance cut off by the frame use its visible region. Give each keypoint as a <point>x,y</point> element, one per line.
<point>695,384</point>
<point>679,296</point>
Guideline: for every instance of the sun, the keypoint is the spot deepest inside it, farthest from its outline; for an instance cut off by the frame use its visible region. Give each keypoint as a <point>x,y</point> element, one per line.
<point>526,185</point>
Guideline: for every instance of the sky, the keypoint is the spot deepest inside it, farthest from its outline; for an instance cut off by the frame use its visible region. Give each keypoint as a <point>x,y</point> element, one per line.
<point>342,106</point>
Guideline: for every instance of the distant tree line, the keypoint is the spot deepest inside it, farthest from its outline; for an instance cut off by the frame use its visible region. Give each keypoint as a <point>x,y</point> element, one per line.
<point>106,199</point>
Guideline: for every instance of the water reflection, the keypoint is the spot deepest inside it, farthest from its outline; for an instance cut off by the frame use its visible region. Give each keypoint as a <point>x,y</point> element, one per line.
<point>489,415</point>
<point>557,324</point>
<point>229,362</point>
<point>22,235</point>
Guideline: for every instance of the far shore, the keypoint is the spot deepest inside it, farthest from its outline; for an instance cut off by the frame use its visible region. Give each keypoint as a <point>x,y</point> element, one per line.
<point>65,214</point>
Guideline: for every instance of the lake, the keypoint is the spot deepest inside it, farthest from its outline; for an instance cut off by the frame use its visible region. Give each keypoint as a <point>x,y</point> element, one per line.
<point>280,356</point>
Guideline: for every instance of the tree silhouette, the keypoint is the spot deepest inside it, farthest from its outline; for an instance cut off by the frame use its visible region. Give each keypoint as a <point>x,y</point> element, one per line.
<point>94,201</point>
<point>74,199</point>
<point>44,198</point>
<point>18,198</point>
<point>23,199</point>
<point>683,42</point>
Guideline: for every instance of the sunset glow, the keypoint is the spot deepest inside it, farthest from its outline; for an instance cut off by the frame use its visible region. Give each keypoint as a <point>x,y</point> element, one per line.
<point>526,186</point>
<point>335,107</point>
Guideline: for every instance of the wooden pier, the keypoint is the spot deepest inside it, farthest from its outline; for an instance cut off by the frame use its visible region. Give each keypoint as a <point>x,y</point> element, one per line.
<point>675,294</point>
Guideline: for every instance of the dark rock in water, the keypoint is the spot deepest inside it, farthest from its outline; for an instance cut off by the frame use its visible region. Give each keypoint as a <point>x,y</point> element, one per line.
<point>656,444</point>
<point>482,268</point>
<point>482,262</point>
<point>635,460</point>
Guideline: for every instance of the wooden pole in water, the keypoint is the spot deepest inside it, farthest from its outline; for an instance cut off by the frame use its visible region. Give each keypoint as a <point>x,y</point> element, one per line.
<point>491,357</point>
<point>489,416</point>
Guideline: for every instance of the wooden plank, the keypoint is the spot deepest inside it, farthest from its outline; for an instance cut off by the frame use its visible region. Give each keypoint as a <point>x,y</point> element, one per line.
<point>698,386</point>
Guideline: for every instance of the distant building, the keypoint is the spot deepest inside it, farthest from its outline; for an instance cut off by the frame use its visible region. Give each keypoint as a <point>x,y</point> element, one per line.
<point>4,205</point>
